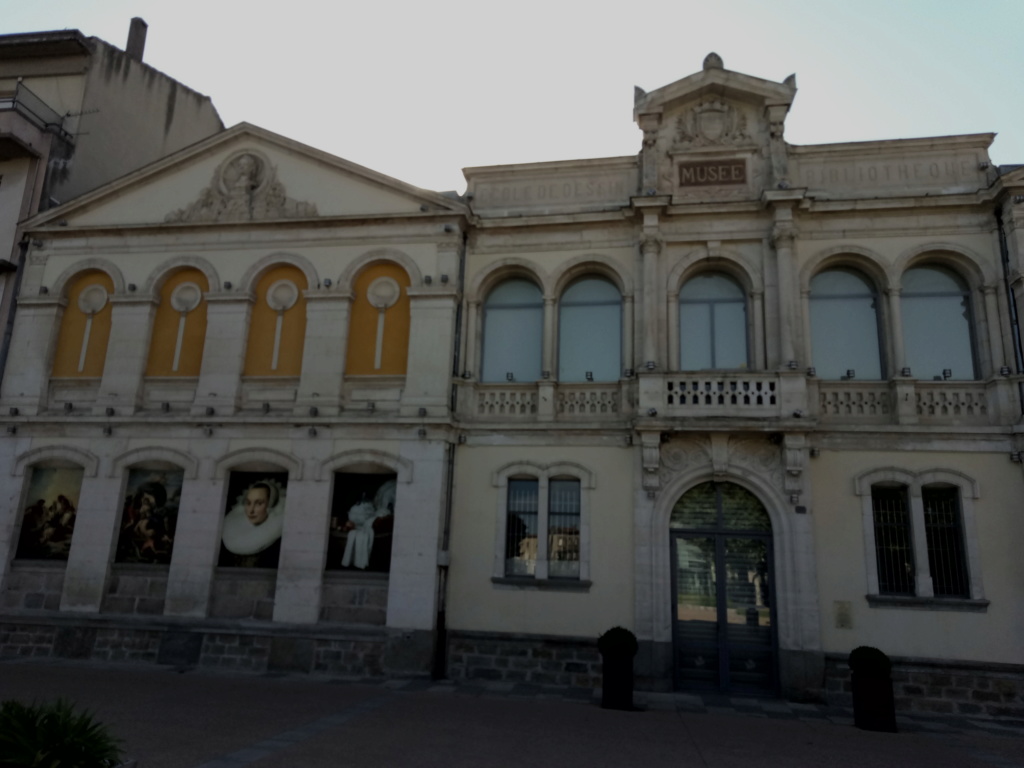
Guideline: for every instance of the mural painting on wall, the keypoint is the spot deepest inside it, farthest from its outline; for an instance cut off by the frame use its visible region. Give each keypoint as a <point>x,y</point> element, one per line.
<point>149,516</point>
<point>51,507</point>
<point>254,520</point>
<point>362,522</point>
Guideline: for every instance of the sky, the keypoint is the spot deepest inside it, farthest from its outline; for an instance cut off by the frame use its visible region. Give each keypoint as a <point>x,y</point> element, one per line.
<point>419,90</point>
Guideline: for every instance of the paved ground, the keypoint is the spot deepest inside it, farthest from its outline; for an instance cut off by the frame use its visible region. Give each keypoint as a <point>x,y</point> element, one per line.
<point>194,719</point>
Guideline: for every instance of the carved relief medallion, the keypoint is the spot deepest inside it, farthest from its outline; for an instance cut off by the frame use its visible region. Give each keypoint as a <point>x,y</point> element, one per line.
<point>244,188</point>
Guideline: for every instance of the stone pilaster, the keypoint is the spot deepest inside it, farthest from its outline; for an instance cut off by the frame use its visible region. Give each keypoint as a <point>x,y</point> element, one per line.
<point>323,353</point>
<point>227,329</point>
<point>26,380</point>
<point>96,528</point>
<point>303,552</point>
<point>431,348</point>
<point>131,326</point>
<point>419,515</point>
<point>196,547</point>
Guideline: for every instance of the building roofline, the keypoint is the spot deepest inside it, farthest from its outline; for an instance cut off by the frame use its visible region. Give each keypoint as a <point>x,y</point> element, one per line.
<point>65,42</point>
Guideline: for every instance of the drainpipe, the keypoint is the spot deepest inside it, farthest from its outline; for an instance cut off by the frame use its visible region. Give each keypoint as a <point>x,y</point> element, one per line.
<point>439,666</point>
<point>1011,300</point>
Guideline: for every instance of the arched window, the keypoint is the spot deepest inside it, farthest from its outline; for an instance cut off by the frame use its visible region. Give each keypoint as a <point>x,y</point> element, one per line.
<point>277,330</point>
<point>85,327</point>
<point>513,332</point>
<point>590,331</point>
<point>844,325</point>
<point>712,323</point>
<point>938,336</point>
<point>179,329</point>
<point>378,338</point>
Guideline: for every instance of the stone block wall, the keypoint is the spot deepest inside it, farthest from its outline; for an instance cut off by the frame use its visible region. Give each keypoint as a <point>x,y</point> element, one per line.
<point>349,657</point>
<point>35,586</point>
<point>231,650</point>
<point>977,690</point>
<point>241,595</point>
<point>136,590</point>
<point>537,660</point>
<point>354,602</point>
<point>26,639</point>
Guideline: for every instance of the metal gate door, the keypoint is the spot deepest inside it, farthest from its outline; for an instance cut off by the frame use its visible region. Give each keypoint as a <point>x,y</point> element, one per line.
<point>723,618</point>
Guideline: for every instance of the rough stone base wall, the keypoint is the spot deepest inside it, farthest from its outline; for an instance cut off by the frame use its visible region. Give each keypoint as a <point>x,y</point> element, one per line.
<point>241,595</point>
<point>524,659</point>
<point>34,586</point>
<point>355,653</point>
<point>354,602</point>
<point>979,690</point>
<point>136,590</point>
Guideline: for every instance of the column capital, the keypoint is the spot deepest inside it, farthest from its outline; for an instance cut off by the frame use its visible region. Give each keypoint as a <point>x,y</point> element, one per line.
<point>783,234</point>
<point>651,244</point>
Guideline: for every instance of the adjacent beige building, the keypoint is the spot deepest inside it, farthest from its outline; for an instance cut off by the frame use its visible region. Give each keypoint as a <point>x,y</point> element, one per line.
<point>759,403</point>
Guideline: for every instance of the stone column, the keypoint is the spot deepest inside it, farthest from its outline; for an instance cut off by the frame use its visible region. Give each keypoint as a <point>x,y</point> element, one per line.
<point>899,357</point>
<point>227,330</point>
<point>303,552</point>
<point>627,334</point>
<point>783,237</point>
<point>673,331</point>
<point>26,380</point>
<point>323,353</point>
<point>548,342</point>
<point>196,544</point>
<point>757,310</point>
<point>650,247</point>
<point>131,326</point>
<point>428,376</point>
<point>92,544</point>
<point>472,343</point>
<point>995,336</point>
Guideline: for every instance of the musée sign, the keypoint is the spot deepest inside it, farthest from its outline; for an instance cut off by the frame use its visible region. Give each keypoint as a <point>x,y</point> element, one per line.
<point>706,173</point>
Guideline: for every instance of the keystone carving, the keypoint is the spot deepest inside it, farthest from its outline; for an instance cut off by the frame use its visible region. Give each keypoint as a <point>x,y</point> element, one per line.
<point>243,188</point>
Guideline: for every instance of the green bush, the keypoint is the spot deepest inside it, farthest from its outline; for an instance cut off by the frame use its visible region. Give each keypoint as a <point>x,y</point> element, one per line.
<point>54,735</point>
<point>617,641</point>
<point>869,662</point>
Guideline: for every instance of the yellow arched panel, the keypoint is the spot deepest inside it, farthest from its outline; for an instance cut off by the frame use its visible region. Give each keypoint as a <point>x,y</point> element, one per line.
<point>76,354</point>
<point>388,355</point>
<point>263,327</point>
<point>174,338</point>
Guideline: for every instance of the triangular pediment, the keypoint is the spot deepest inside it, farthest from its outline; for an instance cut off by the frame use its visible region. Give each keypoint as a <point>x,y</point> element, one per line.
<point>245,174</point>
<point>715,81</point>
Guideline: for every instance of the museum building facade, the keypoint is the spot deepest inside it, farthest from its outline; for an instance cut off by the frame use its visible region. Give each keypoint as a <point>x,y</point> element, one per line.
<point>760,403</point>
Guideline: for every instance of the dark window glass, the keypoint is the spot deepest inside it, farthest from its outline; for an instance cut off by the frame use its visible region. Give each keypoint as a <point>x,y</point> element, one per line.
<point>944,532</point>
<point>564,529</point>
<point>893,545</point>
<point>521,525</point>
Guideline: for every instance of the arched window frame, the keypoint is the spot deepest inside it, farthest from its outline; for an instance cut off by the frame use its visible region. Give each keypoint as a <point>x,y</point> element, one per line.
<point>879,312</point>
<point>749,318</point>
<point>542,474</point>
<point>619,308</point>
<point>488,376</point>
<point>913,484</point>
<point>973,328</point>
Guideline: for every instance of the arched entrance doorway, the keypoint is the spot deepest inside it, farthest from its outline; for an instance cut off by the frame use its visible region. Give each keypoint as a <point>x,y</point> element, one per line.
<point>723,627</point>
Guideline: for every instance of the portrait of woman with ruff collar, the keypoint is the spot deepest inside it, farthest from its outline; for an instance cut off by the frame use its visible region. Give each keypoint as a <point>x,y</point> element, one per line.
<point>254,521</point>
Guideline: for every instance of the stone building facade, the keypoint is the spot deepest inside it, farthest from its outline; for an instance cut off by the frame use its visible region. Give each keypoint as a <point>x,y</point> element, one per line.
<point>758,402</point>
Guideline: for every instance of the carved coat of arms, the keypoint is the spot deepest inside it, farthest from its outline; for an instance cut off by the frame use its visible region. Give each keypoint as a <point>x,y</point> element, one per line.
<point>710,123</point>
